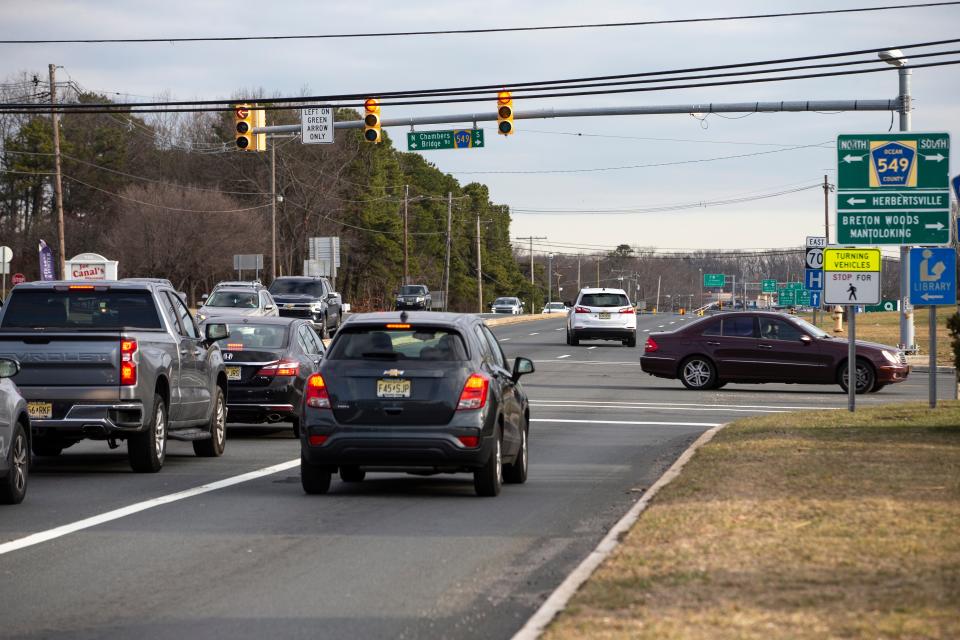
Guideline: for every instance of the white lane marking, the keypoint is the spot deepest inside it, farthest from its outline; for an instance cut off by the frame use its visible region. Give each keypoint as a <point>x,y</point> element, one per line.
<point>673,323</point>
<point>503,339</point>
<point>646,330</point>
<point>659,408</point>
<point>655,423</point>
<point>535,333</point>
<point>627,364</point>
<point>640,405</point>
<point>559,329</point>
<point>660,326</point>
<point>122,512</point>
<point>593,347</point>
<point>557,600</point>
<point>567,355</point>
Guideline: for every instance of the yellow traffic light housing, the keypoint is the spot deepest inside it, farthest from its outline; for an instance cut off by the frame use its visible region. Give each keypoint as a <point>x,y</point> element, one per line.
<point>260,120</point>
<point>505,113</point>
<point>371,120</point>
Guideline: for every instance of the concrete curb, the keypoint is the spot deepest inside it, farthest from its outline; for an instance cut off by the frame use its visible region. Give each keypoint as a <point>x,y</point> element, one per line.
<point>496,322</point>
<point>557,600</point>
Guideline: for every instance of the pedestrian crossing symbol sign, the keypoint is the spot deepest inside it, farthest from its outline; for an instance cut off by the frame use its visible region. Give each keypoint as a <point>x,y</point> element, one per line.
<point>893,163</point>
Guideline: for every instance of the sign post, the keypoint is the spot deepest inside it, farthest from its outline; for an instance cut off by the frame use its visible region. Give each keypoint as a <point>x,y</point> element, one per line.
<point>933,282</point>
<point>852,279</point>
<point>6,255</point>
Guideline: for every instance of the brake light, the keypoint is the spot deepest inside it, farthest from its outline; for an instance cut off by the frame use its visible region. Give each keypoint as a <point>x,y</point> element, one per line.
<point>398,326</point>
<point>581,310</point>
<point>128,366</point>
<point>470,442</point>
<point>626,310</point>
<point>317,396</point>
<point>316,440</point>
<point>650,346</point>
<point>81,287</point>
<point>281,368</point>
<point>474,394</point>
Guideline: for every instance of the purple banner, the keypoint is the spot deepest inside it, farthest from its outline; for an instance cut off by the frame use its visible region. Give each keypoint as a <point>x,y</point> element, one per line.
<point>47,270</point>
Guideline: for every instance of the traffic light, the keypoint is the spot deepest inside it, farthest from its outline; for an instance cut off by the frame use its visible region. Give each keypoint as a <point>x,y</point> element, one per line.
<point>244,120</point>
<point>371,120</point>
<point>504,113</point>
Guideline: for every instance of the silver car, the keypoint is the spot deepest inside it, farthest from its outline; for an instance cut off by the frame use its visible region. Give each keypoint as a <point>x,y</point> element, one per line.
<point>238,301</point>
<point>14,436</point>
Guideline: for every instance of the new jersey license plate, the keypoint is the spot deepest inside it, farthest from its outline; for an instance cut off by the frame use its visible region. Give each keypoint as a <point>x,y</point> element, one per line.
<point>40,410</point>
<point>393,388</point>
<point>604,315</point>
<point>233,373</point>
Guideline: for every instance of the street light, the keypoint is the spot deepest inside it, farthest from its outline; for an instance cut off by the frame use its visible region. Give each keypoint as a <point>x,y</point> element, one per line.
<point>895,58</point>
<point>550,278</point>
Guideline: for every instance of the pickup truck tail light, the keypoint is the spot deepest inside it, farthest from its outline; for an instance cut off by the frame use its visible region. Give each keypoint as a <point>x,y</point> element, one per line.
<point>128,365</point>
<point>650,346</point>
<point>281,368</point>
<point>317,396</point>
<point>474,394</point>
<point>580,309</point>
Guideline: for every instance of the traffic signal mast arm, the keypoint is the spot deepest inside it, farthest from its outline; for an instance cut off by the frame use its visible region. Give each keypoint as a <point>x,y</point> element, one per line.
<point>796,106</point>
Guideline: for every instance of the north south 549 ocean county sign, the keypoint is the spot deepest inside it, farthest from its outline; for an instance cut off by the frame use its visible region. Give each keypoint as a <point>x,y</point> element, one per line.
<point>893,189</point>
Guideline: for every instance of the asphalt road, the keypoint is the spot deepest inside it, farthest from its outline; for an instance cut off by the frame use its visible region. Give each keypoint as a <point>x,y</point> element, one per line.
<point>394,557</point>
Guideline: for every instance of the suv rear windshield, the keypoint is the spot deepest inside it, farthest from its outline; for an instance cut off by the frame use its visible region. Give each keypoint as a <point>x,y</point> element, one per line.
<point>604,300</point>
<point>413,290</point>
<point>420,343</point>
<point>234,299</point>
<point>305,287</point>
<point>81,309</point>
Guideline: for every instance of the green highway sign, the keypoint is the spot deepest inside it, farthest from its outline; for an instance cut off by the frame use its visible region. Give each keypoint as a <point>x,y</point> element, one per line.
<point>794,286</point>
<point>768,286</point>
<point>452,139</point>
<point>713,279</point>
<point>885,305</point>
<point>803,298</point>
<point>893,188</point>
<point>786,297</point>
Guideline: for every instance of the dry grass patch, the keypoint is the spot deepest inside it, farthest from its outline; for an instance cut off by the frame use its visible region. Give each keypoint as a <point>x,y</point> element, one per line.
<point>808,525</point>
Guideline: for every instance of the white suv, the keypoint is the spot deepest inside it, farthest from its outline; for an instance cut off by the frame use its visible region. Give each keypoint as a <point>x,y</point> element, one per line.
<point>603,314</point>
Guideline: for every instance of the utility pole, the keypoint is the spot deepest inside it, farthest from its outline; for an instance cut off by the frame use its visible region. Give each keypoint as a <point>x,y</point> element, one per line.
<point>446,270</point>
<point>273,210</point>
<point>57,180</point>
<point>479,271</point>
<point>598,271</point>
<point>578,273</point>
<point>657,307</point>
<point>406,263</point>
<point>533,282</point>
<point>549,277</point>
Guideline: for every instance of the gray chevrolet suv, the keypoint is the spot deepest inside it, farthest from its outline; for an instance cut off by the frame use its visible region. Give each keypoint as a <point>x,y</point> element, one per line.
<point>115,361</point>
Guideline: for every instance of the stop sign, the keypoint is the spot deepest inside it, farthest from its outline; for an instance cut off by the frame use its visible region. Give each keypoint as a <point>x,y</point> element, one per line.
<point>18,278</point>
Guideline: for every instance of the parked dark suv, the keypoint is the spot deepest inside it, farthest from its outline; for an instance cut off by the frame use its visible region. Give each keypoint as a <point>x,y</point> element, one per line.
<point>311,298</point>
<point>414,297</point>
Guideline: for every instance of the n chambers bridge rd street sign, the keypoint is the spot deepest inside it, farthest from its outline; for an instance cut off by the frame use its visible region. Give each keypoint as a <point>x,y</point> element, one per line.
<point>893,189</point>
<point>452,139</point>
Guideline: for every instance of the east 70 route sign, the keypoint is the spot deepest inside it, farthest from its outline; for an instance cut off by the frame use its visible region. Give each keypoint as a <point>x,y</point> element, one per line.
<point>893,188</point>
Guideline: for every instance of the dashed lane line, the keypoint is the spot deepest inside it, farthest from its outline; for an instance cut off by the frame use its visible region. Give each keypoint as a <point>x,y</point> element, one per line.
<point>535,333</point>
<point>122,512</point>
<point>566,355</point>
<point>593,347</point>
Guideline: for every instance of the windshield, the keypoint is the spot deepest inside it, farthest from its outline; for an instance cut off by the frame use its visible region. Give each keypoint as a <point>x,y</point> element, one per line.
<point>412,290</point>
<point>505,301</point>
<point>604,300</point>
<point>252,337</point>
<point>376,343</point>
<point>81,309</point>
<point>234,299</point>
<point>555,305</point>
<point>813,330</point>
<point>303,287</point>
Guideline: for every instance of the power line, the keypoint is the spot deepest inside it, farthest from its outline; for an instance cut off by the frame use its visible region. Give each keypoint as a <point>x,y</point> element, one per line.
<point>394,34</point>
<point>285,103</point>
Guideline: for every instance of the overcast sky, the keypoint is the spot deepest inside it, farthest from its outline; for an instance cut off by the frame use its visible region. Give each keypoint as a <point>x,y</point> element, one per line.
<point>218,70</point>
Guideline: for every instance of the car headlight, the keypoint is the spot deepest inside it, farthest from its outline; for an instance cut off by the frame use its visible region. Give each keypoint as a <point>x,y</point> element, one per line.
<point>420,298</point>
<point>316,306</point>
<point>891,357</point>
<point>201,316</point>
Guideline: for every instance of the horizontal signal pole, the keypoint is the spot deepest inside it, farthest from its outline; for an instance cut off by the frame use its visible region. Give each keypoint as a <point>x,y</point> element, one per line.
<point>645,110</point>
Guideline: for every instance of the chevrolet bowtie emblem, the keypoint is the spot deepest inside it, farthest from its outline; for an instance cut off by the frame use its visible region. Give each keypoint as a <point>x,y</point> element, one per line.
<point>393,372</point>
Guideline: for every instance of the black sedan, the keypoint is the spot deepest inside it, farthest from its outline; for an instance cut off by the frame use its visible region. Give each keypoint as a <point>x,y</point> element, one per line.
<point>268,362</point>
<point>421,392</point>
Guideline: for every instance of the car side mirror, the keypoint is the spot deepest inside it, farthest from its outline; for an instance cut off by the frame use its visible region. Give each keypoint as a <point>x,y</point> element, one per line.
<point>805,339</point>
<point>204,296</point>
<point>269,307</point>
<point>521,367</point>
<point>217,331</point>
<point>9,367</point>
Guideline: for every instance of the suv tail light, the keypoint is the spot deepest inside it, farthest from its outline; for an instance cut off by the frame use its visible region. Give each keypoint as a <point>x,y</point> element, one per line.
<point>281,368</point>
<point>626,310</point>
<point>474,394</point>
<point>650,346</point>
<point>317,396</point>
<point>580,309</point>
<point>128,366</point>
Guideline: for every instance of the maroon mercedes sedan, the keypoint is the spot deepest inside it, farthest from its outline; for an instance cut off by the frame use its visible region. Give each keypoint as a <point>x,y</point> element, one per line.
<point>760,346</point>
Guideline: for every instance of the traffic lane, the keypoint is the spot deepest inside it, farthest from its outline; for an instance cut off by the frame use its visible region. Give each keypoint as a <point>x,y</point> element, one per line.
<point>395,556</point>
<point>89,479</point>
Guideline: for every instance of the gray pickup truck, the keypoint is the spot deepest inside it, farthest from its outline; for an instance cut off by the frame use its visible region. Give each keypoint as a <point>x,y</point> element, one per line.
<point>114,360</point>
